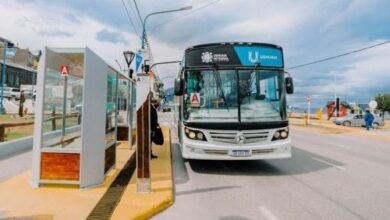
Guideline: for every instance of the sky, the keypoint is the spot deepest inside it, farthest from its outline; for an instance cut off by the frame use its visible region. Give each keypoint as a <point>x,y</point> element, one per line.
<point>308,30</point>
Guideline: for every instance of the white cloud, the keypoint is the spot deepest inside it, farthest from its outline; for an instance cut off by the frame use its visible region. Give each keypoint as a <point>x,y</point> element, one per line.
<point>38,28</point>
<point>307,30</point>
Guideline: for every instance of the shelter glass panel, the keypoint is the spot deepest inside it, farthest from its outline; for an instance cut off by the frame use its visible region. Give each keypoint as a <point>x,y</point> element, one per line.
<point>62,99</point>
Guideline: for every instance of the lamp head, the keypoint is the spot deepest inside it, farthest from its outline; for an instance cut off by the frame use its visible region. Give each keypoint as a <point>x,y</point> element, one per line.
<point>129,56</point>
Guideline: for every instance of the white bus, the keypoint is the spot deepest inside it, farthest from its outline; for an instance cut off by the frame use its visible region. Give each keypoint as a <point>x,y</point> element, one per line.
<point>231,102</point>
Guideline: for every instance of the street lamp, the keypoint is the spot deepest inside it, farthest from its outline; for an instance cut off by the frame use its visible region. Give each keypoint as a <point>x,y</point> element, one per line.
<point>155,13</point>
<point>129,56</point>
<point>120,67</point>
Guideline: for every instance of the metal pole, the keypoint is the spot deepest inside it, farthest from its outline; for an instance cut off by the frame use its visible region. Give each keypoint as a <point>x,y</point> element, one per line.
<point>32,84</point>
<point>2,110</point>
<point>64,107</point>
<point>167,62</point>
<point>308,112</point>
<point>155,13</point>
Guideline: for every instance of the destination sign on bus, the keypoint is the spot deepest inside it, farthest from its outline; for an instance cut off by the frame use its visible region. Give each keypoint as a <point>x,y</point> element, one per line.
<point>242,55</point>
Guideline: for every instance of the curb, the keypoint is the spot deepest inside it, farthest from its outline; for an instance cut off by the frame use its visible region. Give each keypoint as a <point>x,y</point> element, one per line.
<point>156,209</point>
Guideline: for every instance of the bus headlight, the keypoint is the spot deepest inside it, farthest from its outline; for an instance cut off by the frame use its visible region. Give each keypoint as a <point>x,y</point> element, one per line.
<point>280,134</point>
<point>283,134</point>
<point>194,135</point>
<point>191,135</point>
<point>200,135</point>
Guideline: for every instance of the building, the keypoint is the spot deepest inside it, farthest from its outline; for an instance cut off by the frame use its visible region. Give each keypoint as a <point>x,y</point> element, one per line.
<point>17,75</point>
<point>21,66</point>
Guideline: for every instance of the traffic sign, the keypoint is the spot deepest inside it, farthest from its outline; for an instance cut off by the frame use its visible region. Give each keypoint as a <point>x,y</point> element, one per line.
<point>10,53</point>
<point>195,102</point>
<point>373,104</point>
<point>138,61</point>
<point>64,70</point>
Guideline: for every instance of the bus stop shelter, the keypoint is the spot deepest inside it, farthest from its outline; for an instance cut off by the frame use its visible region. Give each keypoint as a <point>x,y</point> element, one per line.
<point>80,100</point>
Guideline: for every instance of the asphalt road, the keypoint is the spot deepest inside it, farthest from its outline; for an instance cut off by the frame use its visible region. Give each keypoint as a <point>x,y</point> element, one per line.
<point>330,176</point>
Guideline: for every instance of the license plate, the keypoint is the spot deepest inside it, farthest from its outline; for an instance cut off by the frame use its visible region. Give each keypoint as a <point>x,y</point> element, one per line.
<point>241,153</point>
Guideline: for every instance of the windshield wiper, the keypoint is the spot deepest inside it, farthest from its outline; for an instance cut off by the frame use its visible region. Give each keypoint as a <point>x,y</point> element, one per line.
<point>218,82</point>
<point>252,78</point>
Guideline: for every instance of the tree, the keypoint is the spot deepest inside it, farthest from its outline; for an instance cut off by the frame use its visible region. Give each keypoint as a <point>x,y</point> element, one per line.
<point>383,103</point>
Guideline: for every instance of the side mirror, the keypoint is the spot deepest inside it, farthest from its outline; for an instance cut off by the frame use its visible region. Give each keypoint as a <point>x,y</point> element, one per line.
<point>179,87</point>
<point>289,85</point>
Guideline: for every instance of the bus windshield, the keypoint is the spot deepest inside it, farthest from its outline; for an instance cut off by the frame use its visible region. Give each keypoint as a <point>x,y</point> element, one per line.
<point>260,95</point>
<point>211,96</point>
<point>218,95</point>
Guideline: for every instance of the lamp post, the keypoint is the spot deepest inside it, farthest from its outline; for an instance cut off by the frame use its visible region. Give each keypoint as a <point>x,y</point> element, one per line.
<point>120,67</point>
<point>156,13</point>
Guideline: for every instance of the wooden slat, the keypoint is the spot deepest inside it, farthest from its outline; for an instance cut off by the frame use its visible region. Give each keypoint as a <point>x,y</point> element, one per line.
<point>60,166</point>
<point>123,133</point>
<point>143,141</point>
<point>110,157</point>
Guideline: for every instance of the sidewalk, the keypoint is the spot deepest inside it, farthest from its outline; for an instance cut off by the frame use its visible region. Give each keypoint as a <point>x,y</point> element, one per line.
<point>19,201</point>
<point>329,127</point>
<point>137,206</point>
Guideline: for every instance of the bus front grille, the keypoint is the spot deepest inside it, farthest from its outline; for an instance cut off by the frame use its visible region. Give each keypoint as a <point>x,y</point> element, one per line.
<point>262,151</point>
<point>231,137</point>
<point>216,152</point>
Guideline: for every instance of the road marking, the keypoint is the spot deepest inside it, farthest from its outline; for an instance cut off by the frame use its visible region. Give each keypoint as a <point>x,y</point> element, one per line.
<point>330,164</point>
<point>267,213</point>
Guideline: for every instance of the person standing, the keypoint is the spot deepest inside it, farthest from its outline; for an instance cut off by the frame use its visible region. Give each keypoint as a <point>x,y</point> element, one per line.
<point>21,103</point>
<point>368,119</point>
<point>153,122</point>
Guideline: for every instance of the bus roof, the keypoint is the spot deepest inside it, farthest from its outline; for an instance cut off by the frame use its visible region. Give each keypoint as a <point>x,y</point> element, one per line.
<point>234,44</point>
<point>245,54</point>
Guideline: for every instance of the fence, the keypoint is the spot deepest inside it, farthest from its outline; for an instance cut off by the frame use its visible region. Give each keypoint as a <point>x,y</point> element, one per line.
<point>5,125</point>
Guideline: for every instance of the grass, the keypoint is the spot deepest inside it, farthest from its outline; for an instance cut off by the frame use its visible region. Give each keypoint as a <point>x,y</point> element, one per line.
<point>6,117</point>
<point>18,132</point>
<point>16,135</point>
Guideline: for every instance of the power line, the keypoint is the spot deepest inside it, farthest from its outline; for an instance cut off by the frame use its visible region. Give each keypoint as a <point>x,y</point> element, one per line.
<point>134,12</point>
<point>193,11</point>
<point>131,21</point>
<point>337,56</point>
<point>139,14</point>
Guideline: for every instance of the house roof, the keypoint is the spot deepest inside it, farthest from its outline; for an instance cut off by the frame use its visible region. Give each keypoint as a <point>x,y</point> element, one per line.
<point>15,65</point>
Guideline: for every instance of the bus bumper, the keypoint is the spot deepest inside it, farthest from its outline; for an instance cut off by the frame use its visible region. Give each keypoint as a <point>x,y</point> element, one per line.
<point>275,150</point>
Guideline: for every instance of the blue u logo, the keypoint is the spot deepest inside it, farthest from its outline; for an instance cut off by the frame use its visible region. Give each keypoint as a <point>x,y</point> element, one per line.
<point>253,59</point>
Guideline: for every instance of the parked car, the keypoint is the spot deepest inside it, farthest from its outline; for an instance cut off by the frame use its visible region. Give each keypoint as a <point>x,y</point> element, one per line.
<point>358,121</point>
<point>11,93</point>
<point>166,108</point>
